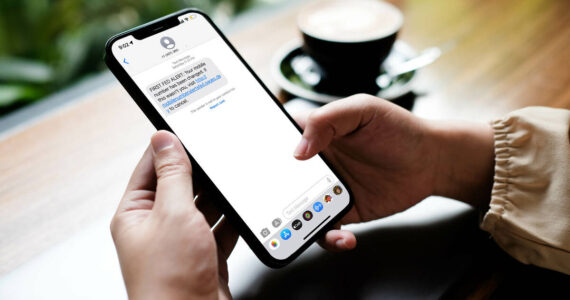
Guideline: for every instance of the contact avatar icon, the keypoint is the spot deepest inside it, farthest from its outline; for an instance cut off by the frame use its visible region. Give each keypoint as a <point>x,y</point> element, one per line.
<point>337,190</point>
<point>167,42</point>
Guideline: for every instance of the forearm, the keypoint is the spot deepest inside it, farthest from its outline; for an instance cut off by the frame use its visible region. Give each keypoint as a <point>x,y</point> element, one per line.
<point>465,161</point>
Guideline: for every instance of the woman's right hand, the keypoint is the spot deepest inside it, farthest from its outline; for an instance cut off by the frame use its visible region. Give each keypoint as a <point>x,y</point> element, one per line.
<point>392,159</point>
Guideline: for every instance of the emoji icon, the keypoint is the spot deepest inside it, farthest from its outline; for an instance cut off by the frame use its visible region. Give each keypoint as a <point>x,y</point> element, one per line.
<point>337,189</point>
<point>328,198</point>
<point>297,224</point>
<point>276,222</point>
<point>264,232</point>
<point>285,234</point>
<point>274,244</point>
<point>318,206</point>
<point>307,215</point>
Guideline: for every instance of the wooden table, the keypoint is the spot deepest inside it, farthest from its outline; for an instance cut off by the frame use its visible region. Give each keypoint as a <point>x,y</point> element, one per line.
<point>66,169</point>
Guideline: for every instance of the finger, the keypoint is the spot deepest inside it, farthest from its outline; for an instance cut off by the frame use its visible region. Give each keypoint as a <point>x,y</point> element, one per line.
<point>140,189</point>
<point>300,117</point>
<point>226,237</point>
<point>205,205</point>
<point>174,192</point>
<point>139,193</point>
<point>337,240</point>
<point>143,177</point>
<point>335,119</point>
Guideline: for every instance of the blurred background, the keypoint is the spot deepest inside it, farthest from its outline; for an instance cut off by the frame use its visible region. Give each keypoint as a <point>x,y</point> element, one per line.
<point>48,45</point>
<point>70,136</point>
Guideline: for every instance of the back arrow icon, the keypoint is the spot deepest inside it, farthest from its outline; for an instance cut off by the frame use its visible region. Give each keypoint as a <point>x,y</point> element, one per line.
<point>125,61</point>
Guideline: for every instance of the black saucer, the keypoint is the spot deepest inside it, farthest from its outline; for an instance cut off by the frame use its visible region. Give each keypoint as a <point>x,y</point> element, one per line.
<point>298,74</point>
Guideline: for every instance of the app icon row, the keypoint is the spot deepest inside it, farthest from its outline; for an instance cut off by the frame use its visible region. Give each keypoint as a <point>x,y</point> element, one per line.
<point>297,224</point>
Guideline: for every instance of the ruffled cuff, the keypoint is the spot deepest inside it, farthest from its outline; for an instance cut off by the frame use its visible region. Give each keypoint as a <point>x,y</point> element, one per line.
<point>529,213</point>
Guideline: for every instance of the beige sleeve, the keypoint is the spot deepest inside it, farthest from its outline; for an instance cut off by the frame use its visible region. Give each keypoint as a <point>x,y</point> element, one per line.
<point>529,214</point>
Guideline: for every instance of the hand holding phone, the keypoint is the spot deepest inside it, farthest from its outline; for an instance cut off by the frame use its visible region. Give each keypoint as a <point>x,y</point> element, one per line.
<point>157,214</point>
<point>187,79</point>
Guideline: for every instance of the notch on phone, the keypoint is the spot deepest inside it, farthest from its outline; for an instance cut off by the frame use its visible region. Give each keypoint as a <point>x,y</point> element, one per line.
<point>155,27</point>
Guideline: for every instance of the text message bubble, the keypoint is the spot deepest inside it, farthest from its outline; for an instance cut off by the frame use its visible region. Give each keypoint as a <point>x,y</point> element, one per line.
<point>185,86</point>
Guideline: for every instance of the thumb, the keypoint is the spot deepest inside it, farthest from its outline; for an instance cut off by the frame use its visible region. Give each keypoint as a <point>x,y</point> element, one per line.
<point>335,119</point>
<point>174,191</point>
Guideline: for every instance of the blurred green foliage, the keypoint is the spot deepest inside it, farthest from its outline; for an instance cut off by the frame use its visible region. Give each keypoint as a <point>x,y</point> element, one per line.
<point>46,45</point>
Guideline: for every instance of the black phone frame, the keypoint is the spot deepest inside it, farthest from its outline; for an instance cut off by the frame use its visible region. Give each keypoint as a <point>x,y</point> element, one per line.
<point>159,123</point>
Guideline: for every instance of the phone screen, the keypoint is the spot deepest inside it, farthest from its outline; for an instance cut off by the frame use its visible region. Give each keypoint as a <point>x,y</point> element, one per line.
<point>235,131</point>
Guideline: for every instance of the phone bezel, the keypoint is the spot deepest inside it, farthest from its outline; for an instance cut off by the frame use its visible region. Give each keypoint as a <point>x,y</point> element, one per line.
<point>159,123</point>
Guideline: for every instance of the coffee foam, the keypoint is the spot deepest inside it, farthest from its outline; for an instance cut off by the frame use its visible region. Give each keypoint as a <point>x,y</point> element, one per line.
<point>350,21</point>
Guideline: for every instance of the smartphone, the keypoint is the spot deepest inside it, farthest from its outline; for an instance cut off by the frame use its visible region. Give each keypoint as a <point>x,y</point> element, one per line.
<point>187,78</point>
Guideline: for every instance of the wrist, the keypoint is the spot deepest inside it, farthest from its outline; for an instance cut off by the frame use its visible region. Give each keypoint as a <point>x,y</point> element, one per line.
<point>465,161</point>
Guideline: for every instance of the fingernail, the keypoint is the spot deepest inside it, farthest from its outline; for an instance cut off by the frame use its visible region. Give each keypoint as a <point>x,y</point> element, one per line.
<point>302,147</point>
<point>340,244</point>
<point>160,142</point>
